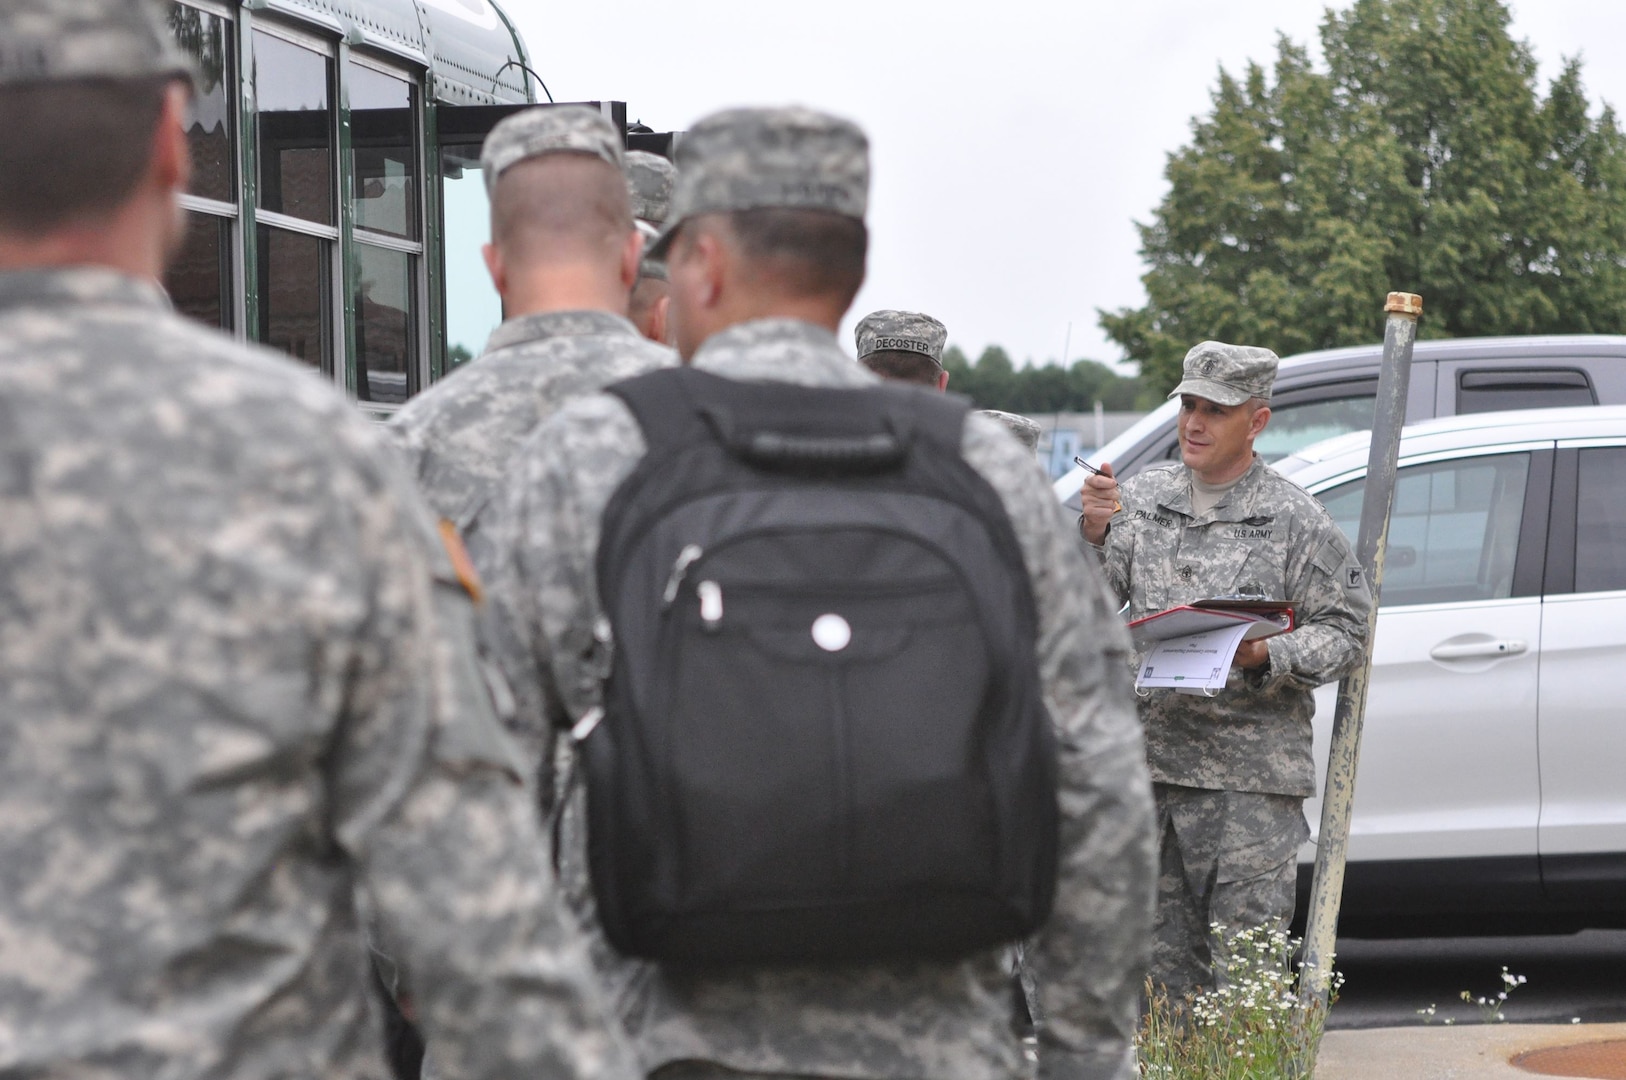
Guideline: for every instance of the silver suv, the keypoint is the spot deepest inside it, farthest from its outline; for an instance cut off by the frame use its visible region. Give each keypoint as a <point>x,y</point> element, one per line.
<point>1322,394</point>
<point>1492,786</point>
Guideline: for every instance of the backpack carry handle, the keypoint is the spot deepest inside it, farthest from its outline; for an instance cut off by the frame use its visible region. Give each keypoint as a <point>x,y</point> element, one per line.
<point>782,452</point>
<point>768,446</point>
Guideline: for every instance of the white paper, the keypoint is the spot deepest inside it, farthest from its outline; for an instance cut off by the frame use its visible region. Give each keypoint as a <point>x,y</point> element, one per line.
<point>1196,663</point>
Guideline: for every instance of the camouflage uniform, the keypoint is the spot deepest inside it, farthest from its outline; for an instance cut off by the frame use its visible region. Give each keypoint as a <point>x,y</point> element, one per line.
<point>459,434</point>
<point>918,1020</point>
<point>236,703</point>
<point>1231,772</point>
<point>238,712</point>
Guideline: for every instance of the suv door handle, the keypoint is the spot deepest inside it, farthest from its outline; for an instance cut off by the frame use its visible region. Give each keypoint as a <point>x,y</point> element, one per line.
<point>1476,649</point>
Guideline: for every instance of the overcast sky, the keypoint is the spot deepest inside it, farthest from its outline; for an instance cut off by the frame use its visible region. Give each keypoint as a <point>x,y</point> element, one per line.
<point>1014,144</point>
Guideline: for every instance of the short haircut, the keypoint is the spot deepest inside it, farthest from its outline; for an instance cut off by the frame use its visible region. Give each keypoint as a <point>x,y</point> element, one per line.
<point>644,296</point>
<point>804,252</point>
<point>560,204</point>
<point>74,149</point>
<point>903,366</point>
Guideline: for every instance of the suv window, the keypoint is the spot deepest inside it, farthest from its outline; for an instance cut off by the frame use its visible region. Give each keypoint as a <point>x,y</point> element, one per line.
<point>1529,388</point>
<point>1454,531</point>
<point>1600,525</point>
<point>1295,425</point>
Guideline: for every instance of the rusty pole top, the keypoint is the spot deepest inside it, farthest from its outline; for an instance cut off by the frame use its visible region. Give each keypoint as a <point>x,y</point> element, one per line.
<point>1404,303</point>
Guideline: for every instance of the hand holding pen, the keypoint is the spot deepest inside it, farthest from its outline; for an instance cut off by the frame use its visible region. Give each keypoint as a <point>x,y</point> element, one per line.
<point>1099,498</point>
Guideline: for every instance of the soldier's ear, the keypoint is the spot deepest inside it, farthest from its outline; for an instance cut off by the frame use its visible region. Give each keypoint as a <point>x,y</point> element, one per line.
<point>171,154</point>
<point>1261,417</point>
<point>659,324</point>
<point>632,254</point>
<point>496,267</point>
<point>713,263</point>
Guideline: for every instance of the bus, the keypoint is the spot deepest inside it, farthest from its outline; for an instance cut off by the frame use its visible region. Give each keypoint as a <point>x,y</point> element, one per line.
<point>336,209</point>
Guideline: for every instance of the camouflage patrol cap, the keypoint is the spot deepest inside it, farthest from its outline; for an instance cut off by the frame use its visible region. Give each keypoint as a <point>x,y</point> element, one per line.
<point>788,158</point>
<point>549,129</point>
<point>55,40</point>
<point>649,183</point>
<point>1227,374</point>
<point>1025,430</point>
<point>901,331</point>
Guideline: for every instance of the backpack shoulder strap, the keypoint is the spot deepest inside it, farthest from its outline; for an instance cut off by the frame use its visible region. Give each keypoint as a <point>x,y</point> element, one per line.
<point>663,405</point>
<point>939,418</point>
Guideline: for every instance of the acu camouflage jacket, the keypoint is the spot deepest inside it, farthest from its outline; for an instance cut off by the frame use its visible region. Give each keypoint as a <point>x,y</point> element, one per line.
<point>887,1021</point>
<point>1268,535</point>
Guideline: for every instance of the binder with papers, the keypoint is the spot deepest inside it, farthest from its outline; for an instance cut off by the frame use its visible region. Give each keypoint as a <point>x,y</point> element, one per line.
<point>1190,647</point>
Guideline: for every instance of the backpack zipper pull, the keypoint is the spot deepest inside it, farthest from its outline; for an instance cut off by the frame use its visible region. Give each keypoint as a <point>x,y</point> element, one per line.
<point>711,603</point>
<point>686,558</point>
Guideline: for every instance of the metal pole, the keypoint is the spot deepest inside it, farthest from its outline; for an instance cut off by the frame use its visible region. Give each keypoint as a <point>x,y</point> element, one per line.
<point>1338,796</point>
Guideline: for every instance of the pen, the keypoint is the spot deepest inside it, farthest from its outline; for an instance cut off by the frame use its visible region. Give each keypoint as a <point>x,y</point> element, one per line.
<point>1093,471</point>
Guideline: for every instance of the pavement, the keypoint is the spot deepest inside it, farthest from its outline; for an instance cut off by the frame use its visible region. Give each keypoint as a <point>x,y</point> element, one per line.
<point>1474,1052</point>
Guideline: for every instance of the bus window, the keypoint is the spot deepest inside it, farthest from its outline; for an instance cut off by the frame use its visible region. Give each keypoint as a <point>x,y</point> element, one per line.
<point>199,279</point>
<point>383,152</point>
<point>385,327</point>
<point>294,286</point>
<point>292,88</point>
<point>203,36</point>
<point>387,252</point>
<point>473,308</point>
<point>296,233</point>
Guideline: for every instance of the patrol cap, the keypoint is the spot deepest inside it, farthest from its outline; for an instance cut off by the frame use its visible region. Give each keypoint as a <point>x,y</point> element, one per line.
<point>57,40</point>
<point>1025,430</point>
<point>549,129</point>
<point>789,158</point>
<point>649,183</point>
<point>901,331</point>
<point>1227,374</point>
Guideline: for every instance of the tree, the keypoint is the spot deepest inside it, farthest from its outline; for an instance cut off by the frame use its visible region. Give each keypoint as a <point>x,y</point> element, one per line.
<point>994,383</point>
<point>1423,158</point>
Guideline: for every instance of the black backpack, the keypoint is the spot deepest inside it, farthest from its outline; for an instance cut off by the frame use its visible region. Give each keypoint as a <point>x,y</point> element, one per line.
<point>823,736</point>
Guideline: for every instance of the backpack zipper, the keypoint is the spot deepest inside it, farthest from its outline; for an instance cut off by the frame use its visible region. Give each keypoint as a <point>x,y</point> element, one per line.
<point>686,558</point>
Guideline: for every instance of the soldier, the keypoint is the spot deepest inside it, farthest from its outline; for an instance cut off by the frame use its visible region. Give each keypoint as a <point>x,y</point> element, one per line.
<point>649,180</point>
<point>564,254</point>
<point>1230,772</point>
<point>903,345</point>
<point>906,346</point>
<point>766,250</point>
<point>235,694</point>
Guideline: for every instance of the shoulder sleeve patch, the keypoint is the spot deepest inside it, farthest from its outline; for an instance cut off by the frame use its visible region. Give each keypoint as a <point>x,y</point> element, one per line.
<point>1335,560</point>
<point>462,565</point>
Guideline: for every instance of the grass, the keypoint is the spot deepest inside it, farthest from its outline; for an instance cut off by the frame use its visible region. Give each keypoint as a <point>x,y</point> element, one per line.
<point>1251,1028</point>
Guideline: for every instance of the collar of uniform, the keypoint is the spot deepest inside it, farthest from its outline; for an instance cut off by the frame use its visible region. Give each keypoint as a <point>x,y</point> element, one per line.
<point>75,286</point>
<point>1235,506</point>
<point>780,350</point>
<point>551,324</point>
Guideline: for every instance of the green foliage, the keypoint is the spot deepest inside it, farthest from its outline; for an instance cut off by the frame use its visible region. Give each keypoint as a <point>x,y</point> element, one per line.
<point>1254,1027</point>
<point>993,382</point>
<point>1422,159</point>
